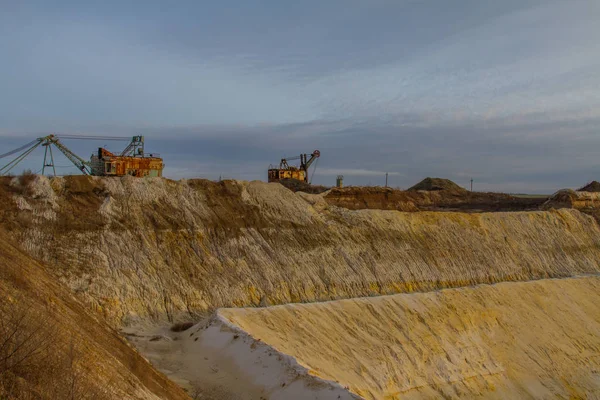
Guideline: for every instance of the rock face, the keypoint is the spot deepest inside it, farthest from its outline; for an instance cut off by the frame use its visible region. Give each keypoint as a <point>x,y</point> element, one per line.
<point>153,248</point>
<point>505,341</point>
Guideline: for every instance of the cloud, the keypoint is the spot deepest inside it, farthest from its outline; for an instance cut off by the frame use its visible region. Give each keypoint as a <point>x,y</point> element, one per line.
<point>354,172</point>
<point>504,92</point>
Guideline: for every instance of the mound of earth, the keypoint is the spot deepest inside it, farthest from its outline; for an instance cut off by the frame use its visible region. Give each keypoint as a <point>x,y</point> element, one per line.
<point>593,186</point>
<point>587,202</point>
<point>299,186</point>
<point>436,184</point>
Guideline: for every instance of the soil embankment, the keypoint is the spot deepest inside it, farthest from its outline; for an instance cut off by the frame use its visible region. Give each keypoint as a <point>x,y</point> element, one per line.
<point>379,198</point>
<point>52,347</point>
<point>587,202</point>
<point>510,340</point>
<point>139,249</point>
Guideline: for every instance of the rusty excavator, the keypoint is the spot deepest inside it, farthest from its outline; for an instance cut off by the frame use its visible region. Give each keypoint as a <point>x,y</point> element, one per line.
<point>300,173</point>
<point>132,161</point>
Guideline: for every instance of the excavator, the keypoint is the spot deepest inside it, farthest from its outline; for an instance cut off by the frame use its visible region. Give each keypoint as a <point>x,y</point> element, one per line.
<point>300,173</point>
<point>132,161</point>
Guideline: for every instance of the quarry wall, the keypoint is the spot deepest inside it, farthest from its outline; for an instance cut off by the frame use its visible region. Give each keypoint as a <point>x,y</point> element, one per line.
<point>134,249</point>
<point>510,340</point>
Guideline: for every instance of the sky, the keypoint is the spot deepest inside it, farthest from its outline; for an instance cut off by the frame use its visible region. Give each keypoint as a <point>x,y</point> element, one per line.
<point>506,93</point>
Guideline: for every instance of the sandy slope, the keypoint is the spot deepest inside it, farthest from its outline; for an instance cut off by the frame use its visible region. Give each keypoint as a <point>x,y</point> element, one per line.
<point>511,340</point>
<point>105,362</point>
<point>217,361</point>
<point>135,249</point>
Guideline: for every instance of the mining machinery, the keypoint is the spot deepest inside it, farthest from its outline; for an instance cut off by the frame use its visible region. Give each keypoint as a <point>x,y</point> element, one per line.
<point>300,173</point>
<point>132,161</point>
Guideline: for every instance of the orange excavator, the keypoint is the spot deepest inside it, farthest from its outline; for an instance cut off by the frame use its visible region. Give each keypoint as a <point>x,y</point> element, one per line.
<point>300,173</point>
<point>132,161</point>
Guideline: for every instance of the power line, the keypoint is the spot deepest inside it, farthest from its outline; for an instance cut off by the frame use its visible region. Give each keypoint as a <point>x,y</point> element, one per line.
<point>25,146</point>
<point>93,137</point>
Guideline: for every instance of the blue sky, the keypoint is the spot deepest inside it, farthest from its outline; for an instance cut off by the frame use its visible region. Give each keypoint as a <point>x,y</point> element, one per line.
<point>506,92</point>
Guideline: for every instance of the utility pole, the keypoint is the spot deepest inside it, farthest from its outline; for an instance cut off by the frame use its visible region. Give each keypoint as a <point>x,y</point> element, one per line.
<point>386,179</point>
<point>471,184</point>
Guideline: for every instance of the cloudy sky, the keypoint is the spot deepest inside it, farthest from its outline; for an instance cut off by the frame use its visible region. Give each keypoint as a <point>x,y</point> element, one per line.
<point>504,92</point>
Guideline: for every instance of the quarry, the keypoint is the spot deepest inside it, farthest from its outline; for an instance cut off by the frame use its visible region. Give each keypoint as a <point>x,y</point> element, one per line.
<point>163,289</point>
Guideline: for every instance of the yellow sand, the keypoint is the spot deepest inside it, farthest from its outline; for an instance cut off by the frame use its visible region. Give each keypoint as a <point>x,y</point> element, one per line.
<point>536,339</point>
<point>136,249</point>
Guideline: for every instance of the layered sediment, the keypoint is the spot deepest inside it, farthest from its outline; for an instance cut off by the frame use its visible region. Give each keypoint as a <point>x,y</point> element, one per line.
<point>135,249</point>
<point>510,340</point>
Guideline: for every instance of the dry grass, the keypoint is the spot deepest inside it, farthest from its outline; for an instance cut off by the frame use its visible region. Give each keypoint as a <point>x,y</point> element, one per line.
<point>39,359</point>
<point>27,177</point>
<point>52,348</point>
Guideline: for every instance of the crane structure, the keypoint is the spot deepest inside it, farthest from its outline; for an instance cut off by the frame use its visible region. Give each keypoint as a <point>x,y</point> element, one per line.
<point>300,173</point>
<point>131,161</point>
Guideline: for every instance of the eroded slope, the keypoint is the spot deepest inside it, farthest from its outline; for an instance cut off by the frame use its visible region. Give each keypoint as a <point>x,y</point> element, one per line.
<point>52,348</point>
<point>138,248</point>
<point>510,340</point>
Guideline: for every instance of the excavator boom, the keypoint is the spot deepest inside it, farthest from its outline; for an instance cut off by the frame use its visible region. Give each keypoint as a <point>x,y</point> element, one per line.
<point>79,162</point>
<point>131,161</point>
<point>285,171</point>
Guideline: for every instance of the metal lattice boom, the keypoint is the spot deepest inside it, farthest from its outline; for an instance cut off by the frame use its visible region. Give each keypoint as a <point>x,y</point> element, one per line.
<point>48,142</point>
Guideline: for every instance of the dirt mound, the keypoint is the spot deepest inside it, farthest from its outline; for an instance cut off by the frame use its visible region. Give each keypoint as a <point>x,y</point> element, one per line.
<point>436,184</point>
<point>298,186</point>
<point>587,202</point>
<point>593,186</point>
<point>506,341</point>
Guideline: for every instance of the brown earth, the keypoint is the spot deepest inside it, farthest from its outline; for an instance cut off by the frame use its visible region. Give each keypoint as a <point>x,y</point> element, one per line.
<point>298,186</point>
<point>593,186</point>
<point>435,184</point>
<point>71,353</point>
<point>379,198</point>
<point>431,194</point>
<point>587,202</point>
